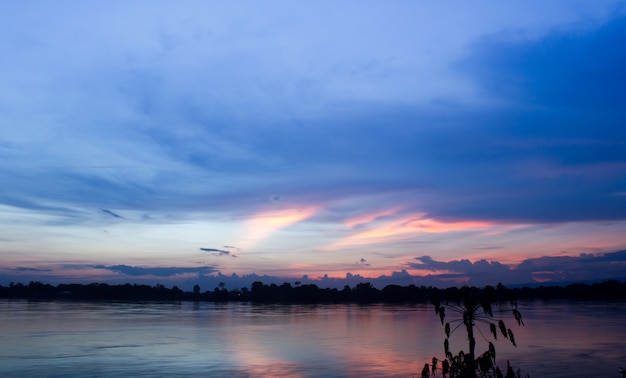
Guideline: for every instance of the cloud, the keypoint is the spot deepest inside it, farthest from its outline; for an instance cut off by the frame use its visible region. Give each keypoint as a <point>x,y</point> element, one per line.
<point>112,213</point>
<point>363,262</point>
<point>407,226</point>
<point>553,147</point>
<point>369,217</point>
<point>568,70</point>
<point>156,271</point>
<point>554,269</point>
<point>276,198</point>
<point>460,159</point>
<point>260,226</point>
<point>31,270</point>
<point>463,266</point>
<point>216,252</point>
<point>427,272</point>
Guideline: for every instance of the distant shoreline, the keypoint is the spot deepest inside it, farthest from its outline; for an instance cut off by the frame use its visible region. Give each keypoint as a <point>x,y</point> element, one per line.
<point>286,293</point>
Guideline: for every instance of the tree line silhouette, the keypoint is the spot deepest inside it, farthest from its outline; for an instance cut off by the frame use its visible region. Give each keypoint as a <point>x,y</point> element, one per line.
<point>296,293</point>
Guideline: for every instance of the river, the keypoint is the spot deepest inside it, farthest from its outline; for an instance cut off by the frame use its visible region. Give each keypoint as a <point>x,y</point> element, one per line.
<point>187,339</point>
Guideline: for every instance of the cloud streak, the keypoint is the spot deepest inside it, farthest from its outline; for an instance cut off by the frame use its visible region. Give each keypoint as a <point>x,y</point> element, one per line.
<point>134,271</point>
<point>407,227</point>
<point>111,213</point>
<point>217,252</point>
<point>260,226</point>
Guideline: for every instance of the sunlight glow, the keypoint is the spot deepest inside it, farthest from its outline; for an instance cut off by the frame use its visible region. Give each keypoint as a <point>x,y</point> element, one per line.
<point>408,227</point>
<point>370,217</point>
<point>260,226</point>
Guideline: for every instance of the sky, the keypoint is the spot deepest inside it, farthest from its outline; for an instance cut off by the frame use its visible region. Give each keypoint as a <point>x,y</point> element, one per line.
<point>435,143</point>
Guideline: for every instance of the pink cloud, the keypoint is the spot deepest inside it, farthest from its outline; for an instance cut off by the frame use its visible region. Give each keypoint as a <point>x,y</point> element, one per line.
<point>406,227</point>
<point>260,226</point>
<point>369,217</point>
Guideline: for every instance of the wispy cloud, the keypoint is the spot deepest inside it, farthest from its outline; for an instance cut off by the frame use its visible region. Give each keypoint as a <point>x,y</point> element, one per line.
<point>217,252</point>
<point>30,270</point>
<point>156,271</point>
<point>112,213</point>
<point>409,226</point>
<point>369,217</point>
<point>260,226</point>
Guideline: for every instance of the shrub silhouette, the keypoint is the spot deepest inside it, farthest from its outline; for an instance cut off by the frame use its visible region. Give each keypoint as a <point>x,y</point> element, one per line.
<point>473,308</point>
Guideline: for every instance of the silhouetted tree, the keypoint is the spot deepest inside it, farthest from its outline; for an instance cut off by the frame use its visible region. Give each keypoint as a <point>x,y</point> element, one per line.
<point>473,307</point>
<point>285,293</point>
<point>365,292</point>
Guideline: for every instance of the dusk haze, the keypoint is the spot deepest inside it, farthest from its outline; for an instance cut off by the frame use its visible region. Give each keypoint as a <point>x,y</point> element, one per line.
<point>197,143</point>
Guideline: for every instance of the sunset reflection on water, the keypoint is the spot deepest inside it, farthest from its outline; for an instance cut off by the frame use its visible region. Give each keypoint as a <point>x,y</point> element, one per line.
<point>243,340</point>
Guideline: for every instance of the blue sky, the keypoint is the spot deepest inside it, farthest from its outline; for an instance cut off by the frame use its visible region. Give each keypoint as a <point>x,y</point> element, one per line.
<point>443,142</point>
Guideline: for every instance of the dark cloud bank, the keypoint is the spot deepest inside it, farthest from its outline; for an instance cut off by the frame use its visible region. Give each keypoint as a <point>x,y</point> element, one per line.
<point>532,272</point>
<point>136,271</point>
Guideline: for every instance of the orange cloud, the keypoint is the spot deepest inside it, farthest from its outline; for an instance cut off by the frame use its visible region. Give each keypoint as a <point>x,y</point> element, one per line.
<point>301,266</point>
<point>261,226</point>
<point>407,227</point>
<point>367,218</point>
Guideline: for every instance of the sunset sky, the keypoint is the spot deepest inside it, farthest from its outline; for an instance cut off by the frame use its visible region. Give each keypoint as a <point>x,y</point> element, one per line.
<point>426,142</point>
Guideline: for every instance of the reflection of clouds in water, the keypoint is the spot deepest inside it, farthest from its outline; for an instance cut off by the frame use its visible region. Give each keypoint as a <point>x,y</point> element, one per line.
<point>241,340</point>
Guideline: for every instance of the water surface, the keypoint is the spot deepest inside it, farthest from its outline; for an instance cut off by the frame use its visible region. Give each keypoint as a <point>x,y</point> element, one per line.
<point>102,339</point>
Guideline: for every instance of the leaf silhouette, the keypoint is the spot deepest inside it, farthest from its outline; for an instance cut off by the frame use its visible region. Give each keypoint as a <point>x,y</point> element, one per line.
<point>512,337</point>
<point>445,367</point>
<point>492,350</point>
<point>518,317</point>
<point>499,373</point>
<point>502,328</point>
<point>494,332</point>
